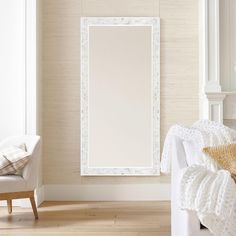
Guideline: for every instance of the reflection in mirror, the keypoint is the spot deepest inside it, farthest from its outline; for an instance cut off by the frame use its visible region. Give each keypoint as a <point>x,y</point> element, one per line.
<point>120,96</point>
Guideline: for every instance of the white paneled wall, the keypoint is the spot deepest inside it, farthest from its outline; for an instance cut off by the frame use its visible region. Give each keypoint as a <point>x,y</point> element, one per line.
<point>218,53</point>
<point>12,67</point>
<point>227,44</point>
<point>18,80</point>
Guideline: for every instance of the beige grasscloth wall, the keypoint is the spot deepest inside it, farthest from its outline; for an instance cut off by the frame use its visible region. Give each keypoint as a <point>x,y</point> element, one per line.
<point>60,76</point>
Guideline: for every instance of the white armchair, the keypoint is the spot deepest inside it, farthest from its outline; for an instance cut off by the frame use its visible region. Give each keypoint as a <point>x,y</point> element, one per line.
<point>22,186</point>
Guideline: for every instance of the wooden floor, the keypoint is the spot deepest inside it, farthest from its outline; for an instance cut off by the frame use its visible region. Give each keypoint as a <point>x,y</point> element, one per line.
<point>89,219</point>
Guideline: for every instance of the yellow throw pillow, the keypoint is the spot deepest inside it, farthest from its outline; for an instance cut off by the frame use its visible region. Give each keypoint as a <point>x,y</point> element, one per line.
<point>225,156</point>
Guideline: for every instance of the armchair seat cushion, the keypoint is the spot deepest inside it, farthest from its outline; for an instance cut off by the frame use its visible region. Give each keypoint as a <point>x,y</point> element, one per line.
<point>12,183</point>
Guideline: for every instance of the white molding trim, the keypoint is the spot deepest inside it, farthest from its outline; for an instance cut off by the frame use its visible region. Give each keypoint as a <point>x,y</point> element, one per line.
<point>30,73</point>
<point>211,98</point>
<point>215,106</point>
<point>98,192</point>
<point>30,126</point>
<point>24,203</point>
<point>107,192</point>
<point>154,22</point>
<point>31,70</point>
<point>230,106</point>
<point>210,45</point>
<point>40,197</point>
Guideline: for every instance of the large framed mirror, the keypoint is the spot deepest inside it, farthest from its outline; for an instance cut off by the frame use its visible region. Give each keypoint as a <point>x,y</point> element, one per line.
<point>120,96</point>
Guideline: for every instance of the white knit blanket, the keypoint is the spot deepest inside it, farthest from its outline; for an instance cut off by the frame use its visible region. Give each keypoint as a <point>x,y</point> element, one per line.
<point>203,133</point>
<point>205,189</point>
<point>213,196</point>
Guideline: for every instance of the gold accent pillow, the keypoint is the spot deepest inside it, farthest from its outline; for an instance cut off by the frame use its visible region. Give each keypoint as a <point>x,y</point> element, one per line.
<point>225,156</point>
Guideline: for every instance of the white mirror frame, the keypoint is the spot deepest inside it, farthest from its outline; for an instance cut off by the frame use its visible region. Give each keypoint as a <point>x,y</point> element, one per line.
<point>154,22</point>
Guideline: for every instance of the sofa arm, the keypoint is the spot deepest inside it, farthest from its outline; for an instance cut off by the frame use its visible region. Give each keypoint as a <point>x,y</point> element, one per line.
<point>178,155</point>
<point>179,218</point>
<point>183,223</point>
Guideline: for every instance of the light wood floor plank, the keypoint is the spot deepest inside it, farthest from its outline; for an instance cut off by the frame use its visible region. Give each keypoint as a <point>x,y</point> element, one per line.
<point>89,219</point>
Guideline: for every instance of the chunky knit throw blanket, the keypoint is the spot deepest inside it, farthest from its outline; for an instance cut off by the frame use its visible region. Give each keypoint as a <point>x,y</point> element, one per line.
<point>213,196</point>
<point>204,133</point>
<point>210,192</point>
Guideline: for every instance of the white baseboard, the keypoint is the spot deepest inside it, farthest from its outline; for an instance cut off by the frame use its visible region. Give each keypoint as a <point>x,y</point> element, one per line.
<point>107,192</point>
<point>24,203</point>
<point>98,192</point>
<point>39,195</point>
<point>14,203</point>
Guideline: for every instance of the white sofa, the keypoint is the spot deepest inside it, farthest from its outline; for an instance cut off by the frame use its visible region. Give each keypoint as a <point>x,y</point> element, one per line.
<point>183,223</point>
